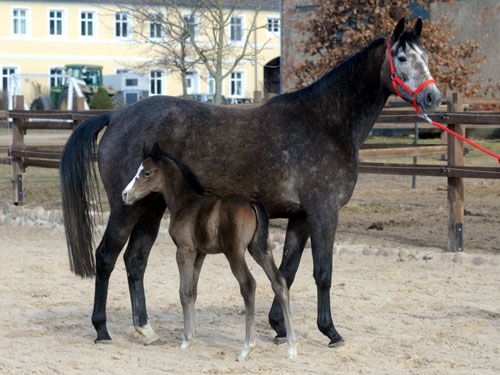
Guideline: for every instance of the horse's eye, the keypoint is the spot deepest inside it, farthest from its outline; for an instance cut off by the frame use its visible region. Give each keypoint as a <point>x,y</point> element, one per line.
<point>146,174</point>
<point>402,59</point>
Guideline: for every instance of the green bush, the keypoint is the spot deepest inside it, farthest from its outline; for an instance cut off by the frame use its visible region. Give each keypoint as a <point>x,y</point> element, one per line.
<point>101,100</point>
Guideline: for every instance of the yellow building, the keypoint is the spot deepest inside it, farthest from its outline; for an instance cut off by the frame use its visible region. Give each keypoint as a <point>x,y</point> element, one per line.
<point>41,37</point>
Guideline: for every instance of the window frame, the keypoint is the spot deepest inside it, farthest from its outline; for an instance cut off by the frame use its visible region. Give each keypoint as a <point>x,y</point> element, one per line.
<point>127,22</point>
<point>163,82</point>
<point>160,22</point>
<point>93,21</point>
<point>243,84</point>
<point>16,69</point>
<point>63,22</point>
<point>196,24</point>
<point>56,76</point>
<point>242,31</point>
<point>27,18</point>
<point>272,33</point>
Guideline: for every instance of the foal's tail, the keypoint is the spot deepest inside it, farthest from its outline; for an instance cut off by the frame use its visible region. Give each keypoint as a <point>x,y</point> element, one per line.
<point>79,190</point>
<point>261,235</point>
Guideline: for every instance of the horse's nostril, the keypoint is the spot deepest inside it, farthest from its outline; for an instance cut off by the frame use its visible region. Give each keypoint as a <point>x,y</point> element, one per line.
<point>429,98</point>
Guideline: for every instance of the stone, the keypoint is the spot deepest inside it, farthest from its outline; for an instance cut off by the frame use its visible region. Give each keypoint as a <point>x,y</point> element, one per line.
<point>367,251</point>
<point>402,254</point>
<point>427,257</point>
<point>39,213</point>
<point>30,214</point>
<point>458,258</point>
<point>479,260</point>
<point>494,261</point>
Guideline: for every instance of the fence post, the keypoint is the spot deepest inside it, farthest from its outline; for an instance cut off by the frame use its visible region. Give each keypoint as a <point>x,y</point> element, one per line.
<point>455,184</point>
<point>78,106</point>
<point>18,142</point>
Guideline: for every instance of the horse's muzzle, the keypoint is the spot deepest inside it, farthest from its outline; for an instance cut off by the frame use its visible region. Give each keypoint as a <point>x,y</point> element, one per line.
<point>429,98</point>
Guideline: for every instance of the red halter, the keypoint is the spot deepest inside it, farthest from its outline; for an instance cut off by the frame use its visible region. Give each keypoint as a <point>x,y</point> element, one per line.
<point>395,79</point>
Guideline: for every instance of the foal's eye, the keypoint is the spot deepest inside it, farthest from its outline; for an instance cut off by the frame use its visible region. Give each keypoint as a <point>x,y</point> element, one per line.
<point>402,59</point>
<point>146,174</point>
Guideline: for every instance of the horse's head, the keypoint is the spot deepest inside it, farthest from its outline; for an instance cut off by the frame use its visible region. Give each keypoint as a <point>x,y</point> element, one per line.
<point>148,178</point>
<point>406,72</point>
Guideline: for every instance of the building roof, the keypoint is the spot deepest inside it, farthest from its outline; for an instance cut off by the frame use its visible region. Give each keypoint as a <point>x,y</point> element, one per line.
<point>244,4</point>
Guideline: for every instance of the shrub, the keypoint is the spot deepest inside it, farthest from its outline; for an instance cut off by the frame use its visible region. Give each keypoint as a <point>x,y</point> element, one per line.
<point>101,100</point>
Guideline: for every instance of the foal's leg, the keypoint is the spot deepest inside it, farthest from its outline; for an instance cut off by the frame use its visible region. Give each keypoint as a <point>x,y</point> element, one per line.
<point>120,224</point>
<point>297,234</point>
<point>247,288</point>
<point>278,283</point>
<point>186,259</point>
<point>136,258</point>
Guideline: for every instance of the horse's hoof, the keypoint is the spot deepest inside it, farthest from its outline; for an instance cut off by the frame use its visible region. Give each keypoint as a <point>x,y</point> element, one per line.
<point>280,339</point>
<point>247,349</point>
<point>292,352</point>
<point>102,341</point>
<point>336,343</point>
<point>156,342</point>
<point>186,344</point>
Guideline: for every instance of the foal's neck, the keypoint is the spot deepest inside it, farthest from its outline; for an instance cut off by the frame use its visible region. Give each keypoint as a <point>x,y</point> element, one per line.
<point>177,191</point>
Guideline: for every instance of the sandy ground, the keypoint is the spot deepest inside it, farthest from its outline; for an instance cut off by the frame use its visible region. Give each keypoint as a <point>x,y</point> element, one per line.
<point>399,315</point>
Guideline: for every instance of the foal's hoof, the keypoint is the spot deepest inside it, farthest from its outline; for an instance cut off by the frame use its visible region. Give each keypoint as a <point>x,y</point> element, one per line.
<point>280,339</point>
<point>156,342</point>
<point>336,343</point>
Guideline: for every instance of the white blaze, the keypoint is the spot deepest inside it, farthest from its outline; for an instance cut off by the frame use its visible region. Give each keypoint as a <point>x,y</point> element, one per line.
<point>136,177</point>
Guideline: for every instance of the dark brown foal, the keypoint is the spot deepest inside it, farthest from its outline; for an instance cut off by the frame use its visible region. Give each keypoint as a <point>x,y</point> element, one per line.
<point>201,225</point>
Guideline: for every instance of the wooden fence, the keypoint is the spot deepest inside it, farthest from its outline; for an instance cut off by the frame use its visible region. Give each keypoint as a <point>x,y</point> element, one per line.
<point>22,157</point>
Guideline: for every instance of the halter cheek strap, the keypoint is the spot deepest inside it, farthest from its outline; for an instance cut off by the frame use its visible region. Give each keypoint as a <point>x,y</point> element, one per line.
<point>398,81</point>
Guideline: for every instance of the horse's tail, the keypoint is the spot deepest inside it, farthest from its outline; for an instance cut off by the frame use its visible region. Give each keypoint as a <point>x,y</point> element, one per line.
<point>79,190</point>
<point>261,236</point>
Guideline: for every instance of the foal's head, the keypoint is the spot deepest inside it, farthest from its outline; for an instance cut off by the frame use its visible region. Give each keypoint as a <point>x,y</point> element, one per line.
<point>161,172</point>
<point>410,65</point>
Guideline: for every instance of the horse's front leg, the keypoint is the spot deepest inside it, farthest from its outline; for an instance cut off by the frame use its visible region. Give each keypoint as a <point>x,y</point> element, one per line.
<point>323,224</point>
<point>297,233</point>
<point>186,259</point>
<point>136,257</point>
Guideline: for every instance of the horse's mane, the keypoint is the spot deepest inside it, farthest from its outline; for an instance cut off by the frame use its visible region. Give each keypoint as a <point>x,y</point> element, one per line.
<point>319,86</point>
<point>187,173</point>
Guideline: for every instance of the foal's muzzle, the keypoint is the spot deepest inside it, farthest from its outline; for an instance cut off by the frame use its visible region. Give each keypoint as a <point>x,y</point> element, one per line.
<point>127,198</point>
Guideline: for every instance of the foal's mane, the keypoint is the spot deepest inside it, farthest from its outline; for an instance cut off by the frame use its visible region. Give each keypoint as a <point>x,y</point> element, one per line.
<point>187,173</point>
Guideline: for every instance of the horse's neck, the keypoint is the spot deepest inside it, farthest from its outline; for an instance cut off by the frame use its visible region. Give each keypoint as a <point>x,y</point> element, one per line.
<point>356,97</point>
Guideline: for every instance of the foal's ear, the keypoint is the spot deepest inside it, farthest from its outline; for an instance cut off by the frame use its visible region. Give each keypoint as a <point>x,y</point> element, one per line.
<point>417,28</point>
<point>156,154</point>
<point>145,153</point>
<point>400,27</point>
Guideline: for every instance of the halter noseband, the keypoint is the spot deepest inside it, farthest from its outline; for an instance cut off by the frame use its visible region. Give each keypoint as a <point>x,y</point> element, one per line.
<point>395,79</point>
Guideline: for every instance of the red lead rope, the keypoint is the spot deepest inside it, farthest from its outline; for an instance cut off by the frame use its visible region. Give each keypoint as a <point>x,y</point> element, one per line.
<point>396,80</point>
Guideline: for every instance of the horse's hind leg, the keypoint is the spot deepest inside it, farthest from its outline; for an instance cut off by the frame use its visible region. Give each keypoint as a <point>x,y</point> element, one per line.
<point>247,288</point>
<point>136,258</point>
<point>296,238</point>
<point>278,283</point>
<point>117,232</point>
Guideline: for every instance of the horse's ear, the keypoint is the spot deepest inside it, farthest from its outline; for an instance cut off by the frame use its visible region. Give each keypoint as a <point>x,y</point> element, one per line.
<point>417,28</point>
<point>400,27</point>
<point>156,154</point>
<point>144,151</point>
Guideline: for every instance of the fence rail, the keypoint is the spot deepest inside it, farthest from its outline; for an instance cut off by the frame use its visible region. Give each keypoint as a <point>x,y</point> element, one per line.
<point>21,156</point>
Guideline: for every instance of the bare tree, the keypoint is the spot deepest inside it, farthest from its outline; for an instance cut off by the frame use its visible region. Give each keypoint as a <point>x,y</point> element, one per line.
<point>186,33</point>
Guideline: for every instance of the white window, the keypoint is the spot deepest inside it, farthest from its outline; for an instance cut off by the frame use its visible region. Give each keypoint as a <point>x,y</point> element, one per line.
<point>156,21</point>
<point>56,22</point>
<point>211,84</point>
<point>20,21</point>
<point>192,82</point>
<point>157,82</point>
<point>87,23</point>
<point>7,71</point>
<point>273,26</point>
<point>237,84</point>
<point>56,76</point>
<point>122,25</point>
<point>191,22</point>
<point>236,29</point>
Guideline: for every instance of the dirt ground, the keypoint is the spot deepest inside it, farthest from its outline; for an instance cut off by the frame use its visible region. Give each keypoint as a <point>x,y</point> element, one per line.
<point>398,315</point>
